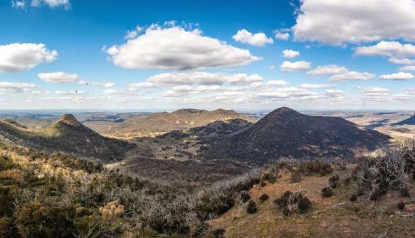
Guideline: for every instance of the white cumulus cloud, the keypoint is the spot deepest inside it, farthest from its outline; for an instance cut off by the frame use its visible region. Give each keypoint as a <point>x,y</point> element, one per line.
<point>288,66</point>
<point>290,54</point>
<point>282,34</point>
<point>59,77</point>
<point>14,87</point>
<point>318,86</point>
<point>73,92</point>
<point>408,68</point>
<point>20,57</point>
<point>19,4</point>
<point>56,3</point>
<point>37,3</point>
<point>103,84</point>
<point>338,21</point>
<point>387,48</point>
<point>328,69</point>
<point>257,39</point>
<point>133,33</point>
<point>352,76</point>
<point>201,78</point>
<point>404,61</point>
<point>397,76</point>
<point>173,47</point>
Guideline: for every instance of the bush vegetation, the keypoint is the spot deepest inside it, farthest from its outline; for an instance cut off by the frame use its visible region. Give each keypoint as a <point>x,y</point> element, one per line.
<point>56,195</point>
<point>251,208</point>
<point>327,192</point>
<point>291,202</point>
<point>393,170</point>
<point>245,196</point>
<point>264,197</point>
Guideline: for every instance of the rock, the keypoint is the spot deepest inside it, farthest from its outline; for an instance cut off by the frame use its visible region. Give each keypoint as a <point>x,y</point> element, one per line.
<point>409,208</point>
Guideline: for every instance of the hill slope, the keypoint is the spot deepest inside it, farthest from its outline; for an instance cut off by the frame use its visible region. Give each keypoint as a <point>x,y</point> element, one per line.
<point>210,131</point>
<point>159,123</point>
<point>66,135</point>
<point>287,133</point>
<point>409,121</point>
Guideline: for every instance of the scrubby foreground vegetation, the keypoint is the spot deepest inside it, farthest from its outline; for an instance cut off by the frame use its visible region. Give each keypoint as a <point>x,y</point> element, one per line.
<point>55,195</point>
<point>369,197</point>
<point>60,196</point>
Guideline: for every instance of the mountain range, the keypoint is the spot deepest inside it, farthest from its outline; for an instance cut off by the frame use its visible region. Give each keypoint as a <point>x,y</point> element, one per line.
<point>160,123</point>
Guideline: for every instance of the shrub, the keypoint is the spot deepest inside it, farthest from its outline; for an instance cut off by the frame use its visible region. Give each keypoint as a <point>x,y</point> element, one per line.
<point>353,198</point>
<point>334,181</point>
<point>245,196</point>
<point>35,220</point>
<point>218,233</point>
<point>7,197</point>
<point>315,167</point>
<point>282,201</point>
<point>251,208</point>
<point>293,202</point>
<point>347,181</point>
<point>213,204</point>
<point>7,228</point>
<point>82,211</point>
<point>269,177</point>
<point>295,176</point>
<point>263,197</point>
<point>391,170</point>
<point>401,205</point>
<point>376,195</point>
<point>5,163</point>
<point>327,192</point>
<point>303,204</point>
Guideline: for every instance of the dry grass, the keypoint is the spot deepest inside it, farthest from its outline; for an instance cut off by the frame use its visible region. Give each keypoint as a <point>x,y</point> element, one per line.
<point>335,216</point>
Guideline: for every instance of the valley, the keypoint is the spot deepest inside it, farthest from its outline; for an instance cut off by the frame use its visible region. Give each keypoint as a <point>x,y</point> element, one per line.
<point>208,164</point>
<point>198,147</point>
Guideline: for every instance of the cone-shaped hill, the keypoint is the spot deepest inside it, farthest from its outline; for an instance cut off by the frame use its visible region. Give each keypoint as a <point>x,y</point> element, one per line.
<point>65,135</point>
<point>287,133</point>
<point>409,121</point>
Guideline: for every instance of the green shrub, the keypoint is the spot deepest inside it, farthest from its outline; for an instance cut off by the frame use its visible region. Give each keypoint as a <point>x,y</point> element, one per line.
<point>315,167</point>
<point>269,177</point>
<point>263,197</point>
<point>295,176</point>
<point>293,202</point>
<point>282,201</point>
<point>5,163</point>
<point>334,181</point>
<point>35,220</point>
<point>209,205</point>
<point>218,233</point>
<point>401,205</point>
<point>251,208</point>
<point>326,192</point>
<point>7,228</point>
<point>7,198</point>
<point>245,196</point>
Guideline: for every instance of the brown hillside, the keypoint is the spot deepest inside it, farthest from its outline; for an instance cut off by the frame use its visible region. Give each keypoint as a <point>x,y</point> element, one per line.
<point>66,135</point>
<point>159,123</point>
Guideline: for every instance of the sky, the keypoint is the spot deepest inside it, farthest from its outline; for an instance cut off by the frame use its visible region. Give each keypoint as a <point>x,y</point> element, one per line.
<point>166,55</point>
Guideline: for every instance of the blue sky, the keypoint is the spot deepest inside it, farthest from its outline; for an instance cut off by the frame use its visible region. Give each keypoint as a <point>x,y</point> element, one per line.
<point>73,54</point>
